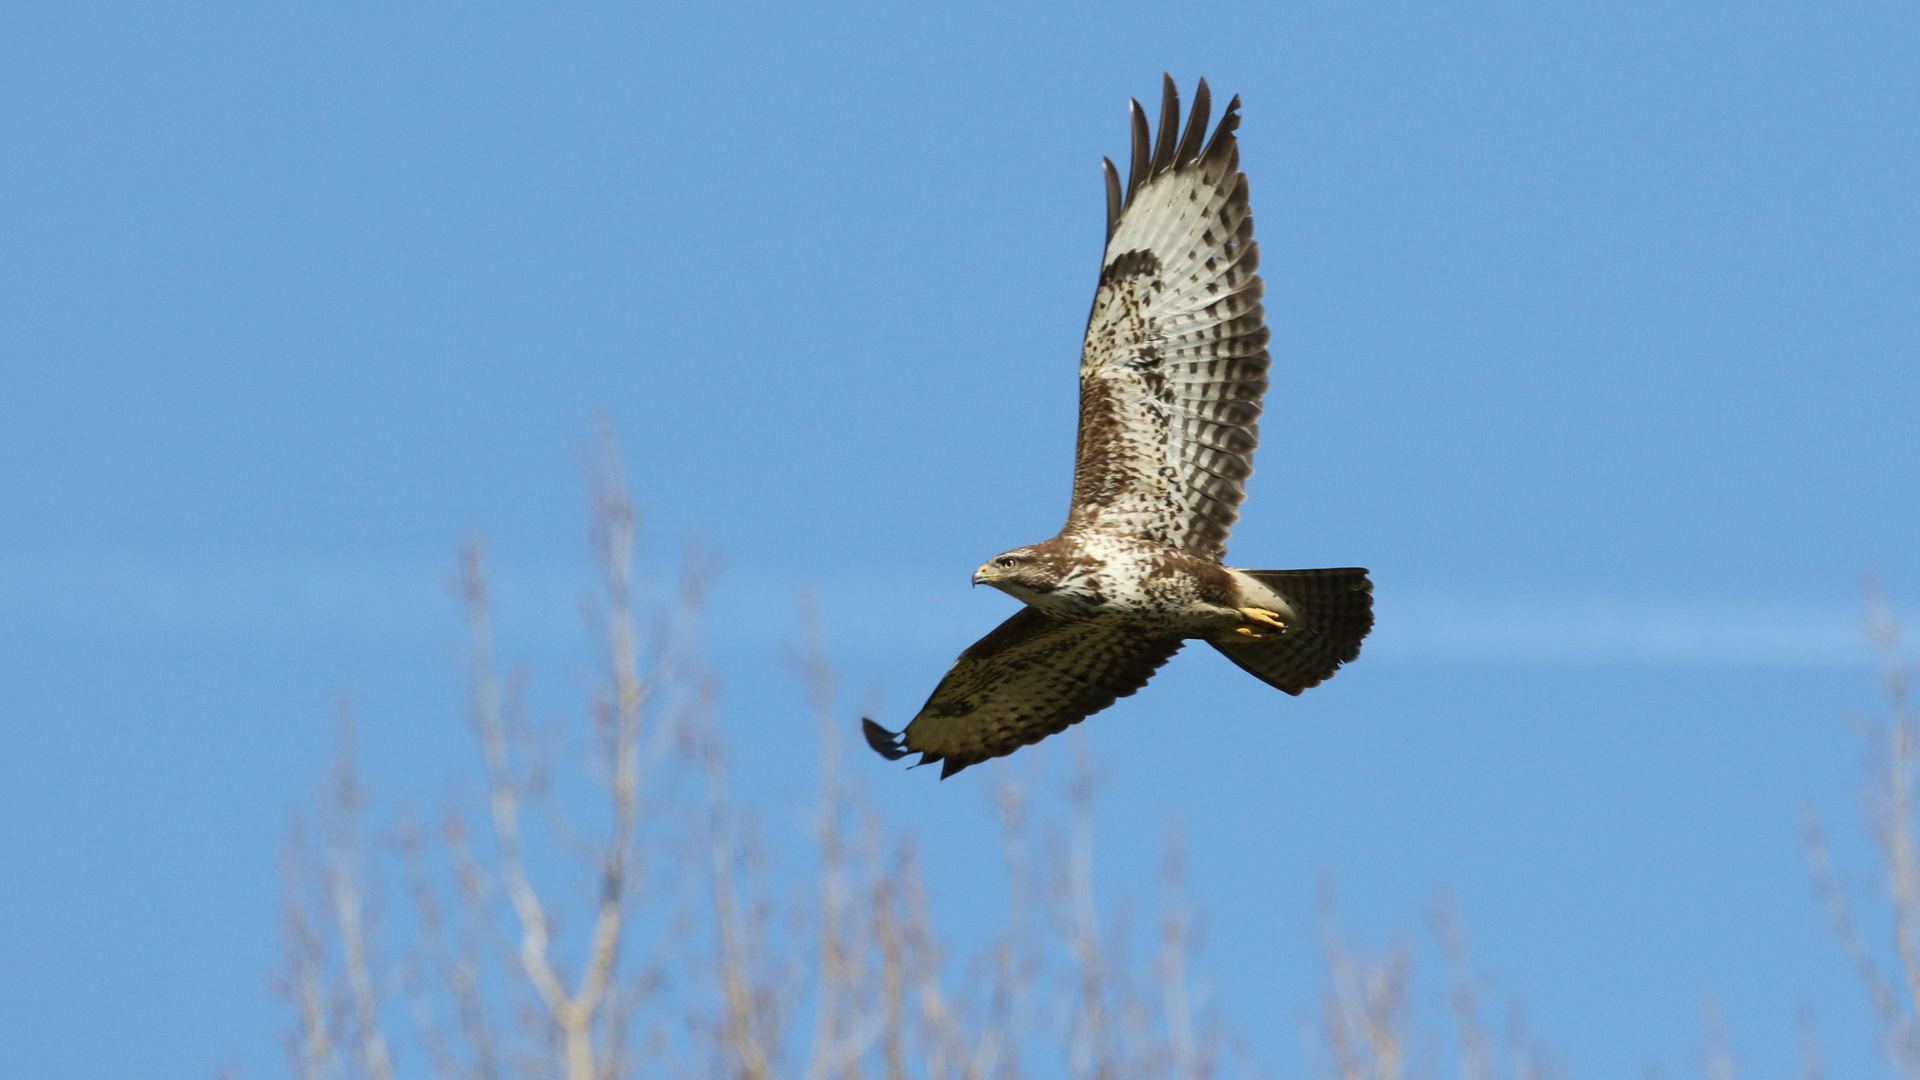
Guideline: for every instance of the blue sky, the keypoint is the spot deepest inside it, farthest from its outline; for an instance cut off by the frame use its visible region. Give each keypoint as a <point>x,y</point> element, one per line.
<point>1594,336</point>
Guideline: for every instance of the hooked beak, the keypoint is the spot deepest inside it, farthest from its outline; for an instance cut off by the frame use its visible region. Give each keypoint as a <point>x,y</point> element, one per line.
<point>985,575</point>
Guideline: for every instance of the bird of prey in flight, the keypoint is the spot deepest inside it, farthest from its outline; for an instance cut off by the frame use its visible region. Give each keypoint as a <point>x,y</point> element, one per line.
<point>1171,376</point>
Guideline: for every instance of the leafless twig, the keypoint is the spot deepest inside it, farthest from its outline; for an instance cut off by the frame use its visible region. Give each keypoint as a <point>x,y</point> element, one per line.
<point>1894,763</point>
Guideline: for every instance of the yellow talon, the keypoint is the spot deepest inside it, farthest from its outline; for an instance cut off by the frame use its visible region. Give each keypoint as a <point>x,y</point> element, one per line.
<point>1264,617</point>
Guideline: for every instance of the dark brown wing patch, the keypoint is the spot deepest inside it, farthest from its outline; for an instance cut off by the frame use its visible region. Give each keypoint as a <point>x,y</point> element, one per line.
<point>1031,677</point>
<point>1175,360</point>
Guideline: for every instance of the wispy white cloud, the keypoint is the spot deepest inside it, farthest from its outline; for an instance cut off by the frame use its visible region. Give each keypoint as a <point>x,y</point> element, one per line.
<point>110,594</point>
<point>1619,630</point>
<point>1433,626</point>
<point>82,596</point>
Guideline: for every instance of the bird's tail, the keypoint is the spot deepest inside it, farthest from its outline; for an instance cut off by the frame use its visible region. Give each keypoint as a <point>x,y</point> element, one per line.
<point>1333,610</point>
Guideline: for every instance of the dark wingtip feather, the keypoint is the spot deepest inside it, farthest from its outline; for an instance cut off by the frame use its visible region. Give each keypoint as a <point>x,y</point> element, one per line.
<point>1137,174</point>
<point>1113,196</point>
<point>1196,125</point>
<point>1169,136</point>
<point>952,766</point>
<point>1223,135</point>
<point>1172,147</point>
<point>885,743</point>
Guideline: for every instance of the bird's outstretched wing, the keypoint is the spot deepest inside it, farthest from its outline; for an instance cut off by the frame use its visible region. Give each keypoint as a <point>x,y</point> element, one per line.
<point>1031,677</point>
<point>1175,360</point>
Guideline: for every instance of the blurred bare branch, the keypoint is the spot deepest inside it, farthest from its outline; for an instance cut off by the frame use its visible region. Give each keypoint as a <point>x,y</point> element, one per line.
<point>750,994</point>
<point>337,993</point>
<point>1366,1018</point>
<point>1093,1050</point>
<point>1191,1042</point>
<point>303,978</point>
<point>1475,1048</point>
<point>1893,765</point>
<point>1812,1067</point>
<point>1719,1057</point>
<point>615,916</point>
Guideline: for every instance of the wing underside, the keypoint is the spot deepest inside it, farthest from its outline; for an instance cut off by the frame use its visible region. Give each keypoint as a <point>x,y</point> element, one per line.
<point>1031,677</point>
<point>1175,361</point>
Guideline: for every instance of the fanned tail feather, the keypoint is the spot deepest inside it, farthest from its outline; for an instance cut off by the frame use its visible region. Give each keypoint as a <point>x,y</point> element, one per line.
<point>1333,612</point>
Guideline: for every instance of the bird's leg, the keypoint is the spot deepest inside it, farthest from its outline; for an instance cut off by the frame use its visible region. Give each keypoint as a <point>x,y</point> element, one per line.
<point>1263,624</point>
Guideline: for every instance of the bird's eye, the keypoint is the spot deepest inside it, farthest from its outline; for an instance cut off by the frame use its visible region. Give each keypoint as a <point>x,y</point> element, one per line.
<point>1005,560</point>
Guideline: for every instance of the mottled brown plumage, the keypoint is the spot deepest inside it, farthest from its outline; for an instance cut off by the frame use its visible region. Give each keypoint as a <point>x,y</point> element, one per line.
<point>1171,379</point>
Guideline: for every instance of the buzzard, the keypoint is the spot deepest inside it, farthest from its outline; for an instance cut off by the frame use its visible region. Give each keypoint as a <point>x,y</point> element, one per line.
<point>1171,376</point>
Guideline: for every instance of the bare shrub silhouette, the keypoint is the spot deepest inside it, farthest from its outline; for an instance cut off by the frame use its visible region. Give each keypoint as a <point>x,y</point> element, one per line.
<point>1369,1028</point>
<point>616,914</point>
<point>1891,973</point>
<point>615,911</point>
<point>634,927</point>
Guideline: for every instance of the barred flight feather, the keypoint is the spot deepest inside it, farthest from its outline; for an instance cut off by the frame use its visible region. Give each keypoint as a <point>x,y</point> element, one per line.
<point>1213,436</point>
<point>1031,677</point>
<point>1175,360</point>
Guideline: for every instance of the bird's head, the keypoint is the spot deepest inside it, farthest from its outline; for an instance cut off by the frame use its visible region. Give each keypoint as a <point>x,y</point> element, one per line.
<point>1020,572</point>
